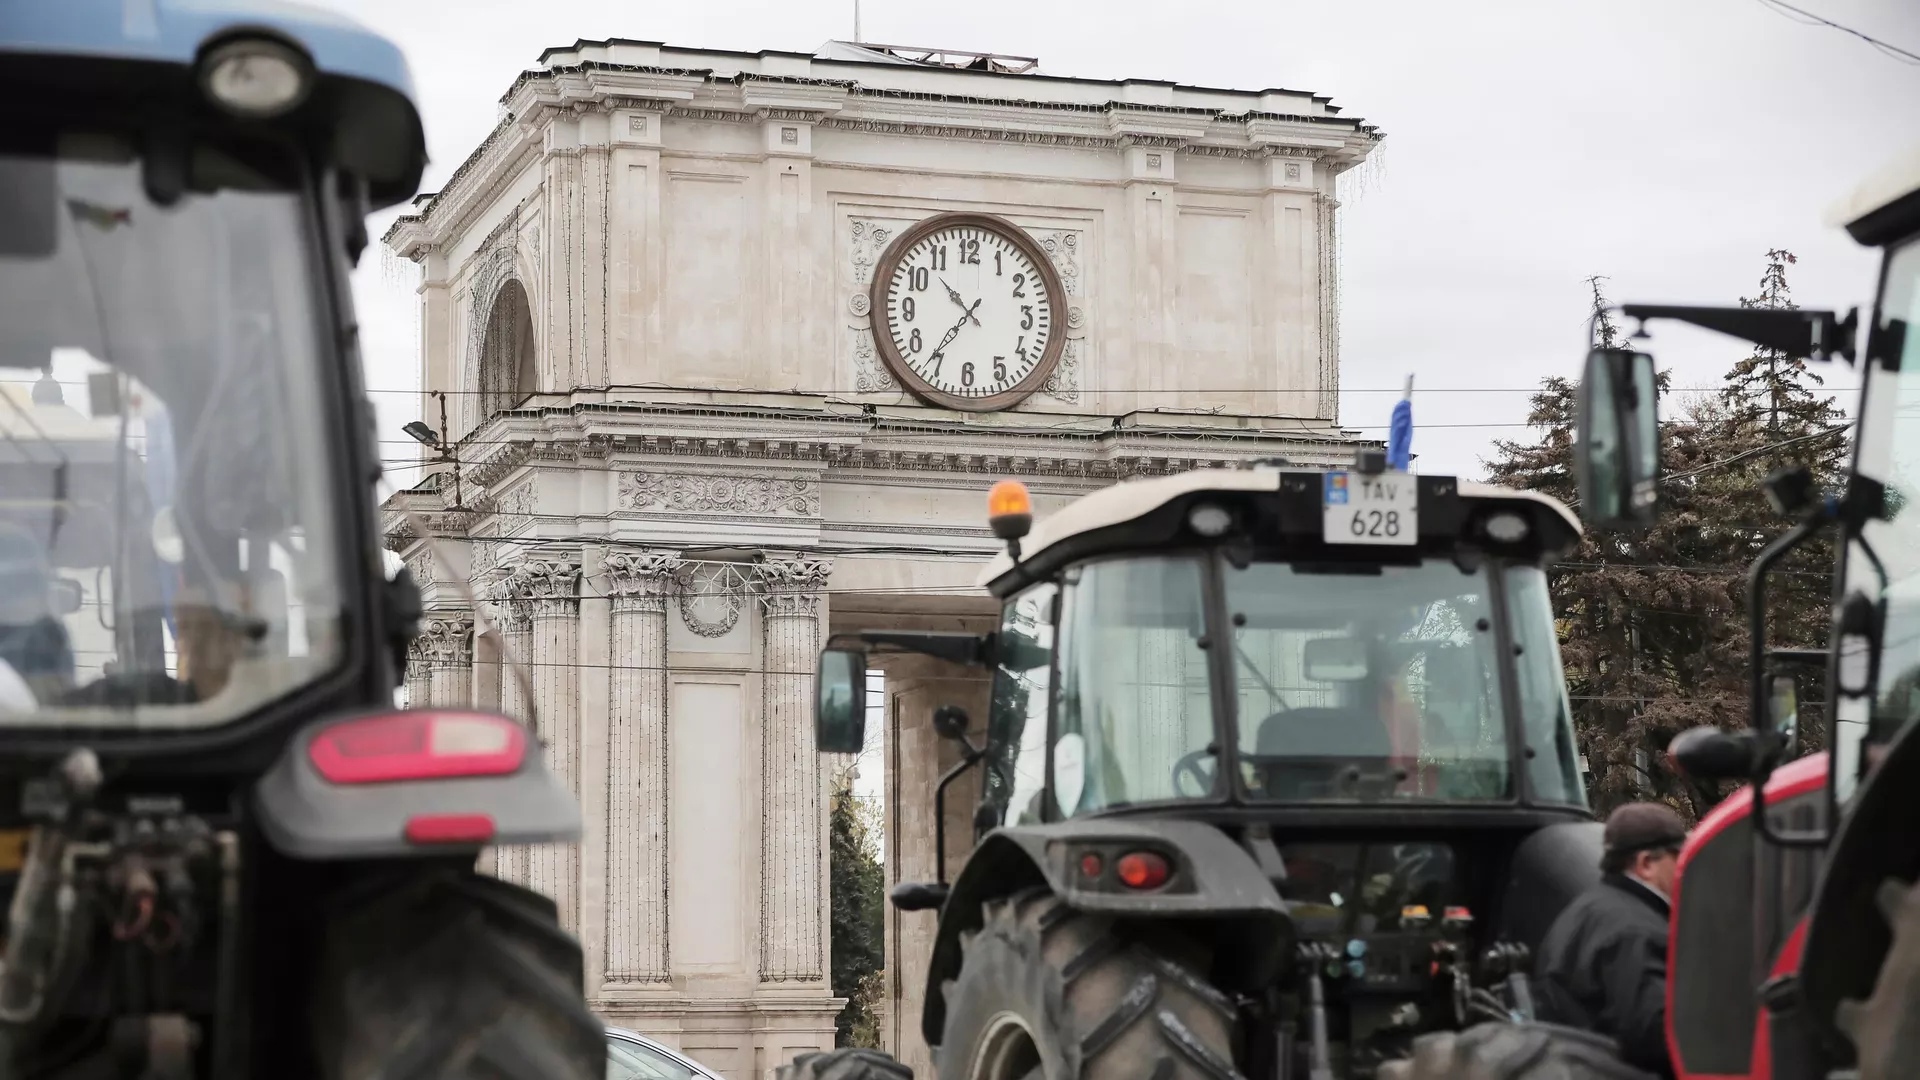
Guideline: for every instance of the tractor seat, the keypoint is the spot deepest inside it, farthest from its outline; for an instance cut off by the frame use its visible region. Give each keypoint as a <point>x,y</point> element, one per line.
<point>1303,753</point>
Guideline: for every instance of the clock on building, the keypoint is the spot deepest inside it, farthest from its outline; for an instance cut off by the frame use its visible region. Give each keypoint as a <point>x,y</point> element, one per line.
<point>967,312</point>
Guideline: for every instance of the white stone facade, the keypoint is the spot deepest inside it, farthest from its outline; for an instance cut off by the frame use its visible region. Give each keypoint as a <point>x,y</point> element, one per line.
<point>683,464</point>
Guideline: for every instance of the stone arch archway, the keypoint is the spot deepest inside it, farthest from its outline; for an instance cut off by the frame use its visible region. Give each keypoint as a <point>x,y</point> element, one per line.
<point>508,374</point>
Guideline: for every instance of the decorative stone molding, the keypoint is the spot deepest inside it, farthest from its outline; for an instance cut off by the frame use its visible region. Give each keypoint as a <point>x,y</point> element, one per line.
<point>420,567</point>
<point>869,374</point>
<point>711,597</point>
<point>1063,383</point>
<point>548,585</point>
<point>868,238</point>
<point>757,496</point>
<point>641,580</point>
<point>446,640</point>
<point>792,585</point>
<point>858,303</point>
<point>514,510</point>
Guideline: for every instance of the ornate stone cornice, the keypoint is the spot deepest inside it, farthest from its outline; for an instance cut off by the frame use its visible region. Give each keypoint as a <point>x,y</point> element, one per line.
<point>538,97</point>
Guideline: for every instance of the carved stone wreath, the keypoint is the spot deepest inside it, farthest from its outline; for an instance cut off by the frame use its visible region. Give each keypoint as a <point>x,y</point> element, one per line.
<point>711,597</point>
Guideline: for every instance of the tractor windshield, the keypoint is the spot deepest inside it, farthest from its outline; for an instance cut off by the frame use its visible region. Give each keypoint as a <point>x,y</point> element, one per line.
<point>1368,682</point>
<point>1356,683</point>
<point>166,558</point>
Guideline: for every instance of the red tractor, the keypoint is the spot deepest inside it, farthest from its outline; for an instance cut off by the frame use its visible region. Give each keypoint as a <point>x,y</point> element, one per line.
<point>1795,940</point>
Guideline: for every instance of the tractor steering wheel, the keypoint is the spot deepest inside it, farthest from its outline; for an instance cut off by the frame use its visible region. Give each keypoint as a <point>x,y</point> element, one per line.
<point>1189,765</point>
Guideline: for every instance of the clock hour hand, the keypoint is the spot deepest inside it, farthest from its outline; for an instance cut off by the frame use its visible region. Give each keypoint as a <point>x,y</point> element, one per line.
<point>954,295</point>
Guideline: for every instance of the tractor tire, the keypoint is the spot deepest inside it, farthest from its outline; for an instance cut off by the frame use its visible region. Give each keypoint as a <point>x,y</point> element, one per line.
<point>1885,1028</point>
<point>444,974</point>
<point>849,1063</point>
<point>1047,993</point>
<point>1500,1051</point>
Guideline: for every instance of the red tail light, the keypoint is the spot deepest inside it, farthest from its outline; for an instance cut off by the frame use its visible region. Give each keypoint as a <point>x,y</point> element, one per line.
<point>1142,870</point>
<point>418,745</point>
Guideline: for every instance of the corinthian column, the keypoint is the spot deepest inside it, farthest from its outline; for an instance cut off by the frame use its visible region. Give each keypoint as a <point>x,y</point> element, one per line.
<point>636,901</point>
<point>548,585</point>
<point>511,618</point>
<point>447,642</point>
<point>791,837</point>
<point>419,672</point>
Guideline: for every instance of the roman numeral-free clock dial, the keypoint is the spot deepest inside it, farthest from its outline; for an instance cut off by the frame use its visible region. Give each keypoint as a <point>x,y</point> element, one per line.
<point>966,312</point>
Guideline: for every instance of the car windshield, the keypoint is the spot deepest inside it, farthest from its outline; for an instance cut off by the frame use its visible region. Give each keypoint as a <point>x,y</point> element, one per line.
<point>166,555</point>
<point>1367,682</point>
<point>630,1060</point>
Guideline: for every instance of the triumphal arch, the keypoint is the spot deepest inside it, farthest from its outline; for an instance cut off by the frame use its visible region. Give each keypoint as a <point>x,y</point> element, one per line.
<point>731,347</point>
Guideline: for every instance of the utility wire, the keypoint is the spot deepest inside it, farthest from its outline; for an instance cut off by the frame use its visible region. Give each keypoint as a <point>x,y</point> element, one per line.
<point>1781,7</point>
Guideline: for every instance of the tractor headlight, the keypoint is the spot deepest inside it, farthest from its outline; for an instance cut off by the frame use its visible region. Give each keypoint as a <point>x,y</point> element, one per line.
<point>1209,519</point>
<point>255,77</point>
<point>1506,528</point>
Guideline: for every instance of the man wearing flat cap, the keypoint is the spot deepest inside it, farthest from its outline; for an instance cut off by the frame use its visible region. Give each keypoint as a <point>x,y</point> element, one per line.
<point>1603,964</point>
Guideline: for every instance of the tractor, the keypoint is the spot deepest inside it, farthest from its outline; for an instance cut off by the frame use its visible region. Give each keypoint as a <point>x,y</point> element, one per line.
<point>1794,951</point>
<point>225,854</point>
<point>1279,775</point>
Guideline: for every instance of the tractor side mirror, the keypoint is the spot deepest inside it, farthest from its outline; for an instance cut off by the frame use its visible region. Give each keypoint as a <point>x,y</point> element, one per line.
<point>1617,460</point>
<point>950,722</point>
<point>1708,754</point>
<point>1783,712</point>
<point>840,705</point>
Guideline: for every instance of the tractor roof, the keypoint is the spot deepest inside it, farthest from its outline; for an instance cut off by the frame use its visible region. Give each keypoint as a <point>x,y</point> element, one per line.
<point>1886,206</point>
<point>1557,527</point>
<point>175,32</point>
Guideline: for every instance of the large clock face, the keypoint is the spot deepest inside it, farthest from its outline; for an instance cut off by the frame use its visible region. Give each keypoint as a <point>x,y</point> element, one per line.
<point>965,312</point>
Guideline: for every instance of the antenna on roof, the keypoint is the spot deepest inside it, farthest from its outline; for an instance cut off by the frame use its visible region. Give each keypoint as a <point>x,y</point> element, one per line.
<point>856,22</point>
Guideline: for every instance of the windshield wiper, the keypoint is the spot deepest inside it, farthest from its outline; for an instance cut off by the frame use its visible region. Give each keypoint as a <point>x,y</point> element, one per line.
<point>1272,693</point>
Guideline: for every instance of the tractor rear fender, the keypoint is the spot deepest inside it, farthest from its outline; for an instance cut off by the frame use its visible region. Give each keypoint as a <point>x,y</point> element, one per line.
<point>1211,881</point>
<point>304,815</point>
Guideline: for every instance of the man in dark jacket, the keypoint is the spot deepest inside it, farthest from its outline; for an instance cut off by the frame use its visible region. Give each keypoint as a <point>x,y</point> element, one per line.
<point>1603,965</point>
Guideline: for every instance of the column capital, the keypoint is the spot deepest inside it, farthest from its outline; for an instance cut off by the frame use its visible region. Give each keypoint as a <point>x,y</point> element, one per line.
<point>546,584</point>
<point>792,584</point>
<point>641,580</point>
<point>446,639</point>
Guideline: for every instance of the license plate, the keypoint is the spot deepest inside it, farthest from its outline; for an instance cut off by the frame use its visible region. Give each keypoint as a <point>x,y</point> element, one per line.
<point>1381,509</point>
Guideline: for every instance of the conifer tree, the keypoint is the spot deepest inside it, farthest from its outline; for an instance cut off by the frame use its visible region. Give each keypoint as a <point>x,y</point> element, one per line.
<point>1653,624</point>
<point>855,913</point>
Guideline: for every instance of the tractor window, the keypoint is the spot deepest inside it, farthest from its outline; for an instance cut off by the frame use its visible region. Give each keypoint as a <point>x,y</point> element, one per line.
<point>1135,714</point>
<point>1889,451</point>
<point>167,537</point>
<point>1367,682</point>
<point>1553,767</point>
<point>1017,724</point>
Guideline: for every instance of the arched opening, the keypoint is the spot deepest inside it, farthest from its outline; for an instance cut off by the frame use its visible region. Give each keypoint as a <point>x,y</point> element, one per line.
<point>506,352</point>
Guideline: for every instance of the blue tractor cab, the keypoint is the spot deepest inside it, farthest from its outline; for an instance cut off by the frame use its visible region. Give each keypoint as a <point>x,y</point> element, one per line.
<point>224,854</point>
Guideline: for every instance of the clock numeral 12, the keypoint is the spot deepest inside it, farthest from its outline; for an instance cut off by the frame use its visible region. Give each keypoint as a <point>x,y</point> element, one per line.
<point>970,251</point>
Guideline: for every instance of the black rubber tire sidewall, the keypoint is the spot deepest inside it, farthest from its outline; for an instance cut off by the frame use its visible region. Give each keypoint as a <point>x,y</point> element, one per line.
<point>450,975</point>
<point>1099,1001</point>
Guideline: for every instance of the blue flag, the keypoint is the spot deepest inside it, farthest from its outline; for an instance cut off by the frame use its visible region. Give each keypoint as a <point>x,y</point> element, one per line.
<point>1400,432</point>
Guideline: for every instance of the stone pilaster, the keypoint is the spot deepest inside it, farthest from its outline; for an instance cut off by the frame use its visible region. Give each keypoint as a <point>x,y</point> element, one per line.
<point>792,948</point>
<point>515,624</point>
<point>419,674</point>
<point>446,643</point>
<point>549,586</point>
<point>636,898</point>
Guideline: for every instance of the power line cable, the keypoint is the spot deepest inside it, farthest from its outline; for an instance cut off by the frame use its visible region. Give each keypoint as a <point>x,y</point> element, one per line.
<point>1781,8</point>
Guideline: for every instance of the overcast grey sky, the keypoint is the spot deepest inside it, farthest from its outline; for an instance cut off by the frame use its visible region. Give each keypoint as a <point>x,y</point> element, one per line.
<point>1666,144</point>
<point>1530,143</point>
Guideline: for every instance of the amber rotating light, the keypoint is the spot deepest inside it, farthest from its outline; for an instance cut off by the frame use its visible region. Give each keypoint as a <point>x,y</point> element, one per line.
<point>1010,513</point>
